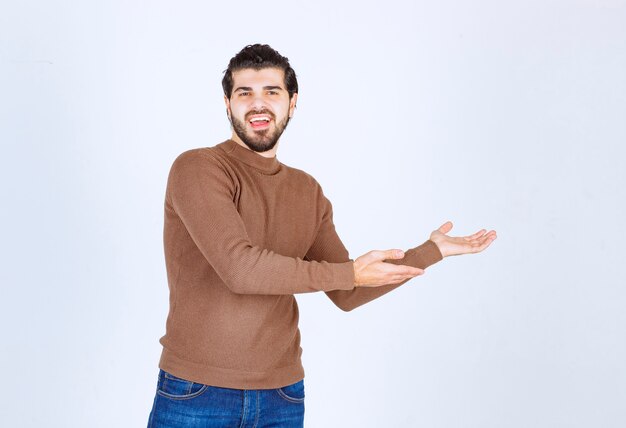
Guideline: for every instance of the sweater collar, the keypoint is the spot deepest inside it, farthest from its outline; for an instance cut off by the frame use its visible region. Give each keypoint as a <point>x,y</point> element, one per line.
<point>247,156</point>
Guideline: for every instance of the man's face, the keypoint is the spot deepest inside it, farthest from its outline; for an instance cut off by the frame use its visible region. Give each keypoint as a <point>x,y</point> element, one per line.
<point>259,107</point>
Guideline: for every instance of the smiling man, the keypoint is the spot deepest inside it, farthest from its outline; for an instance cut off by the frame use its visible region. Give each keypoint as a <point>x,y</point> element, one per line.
<point>259,113</point>
<point>243,233</point>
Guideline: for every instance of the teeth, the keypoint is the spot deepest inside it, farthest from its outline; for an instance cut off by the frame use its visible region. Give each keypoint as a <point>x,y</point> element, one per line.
<point>258,119</point>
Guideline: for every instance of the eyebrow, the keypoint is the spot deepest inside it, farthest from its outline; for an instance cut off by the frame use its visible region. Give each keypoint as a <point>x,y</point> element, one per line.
<point>265,88</point>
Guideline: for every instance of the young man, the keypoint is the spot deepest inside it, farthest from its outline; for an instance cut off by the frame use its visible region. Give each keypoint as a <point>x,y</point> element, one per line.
<point>244,233</point>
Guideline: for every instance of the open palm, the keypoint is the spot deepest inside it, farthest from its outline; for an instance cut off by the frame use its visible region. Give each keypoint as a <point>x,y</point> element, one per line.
<point>454,246</point>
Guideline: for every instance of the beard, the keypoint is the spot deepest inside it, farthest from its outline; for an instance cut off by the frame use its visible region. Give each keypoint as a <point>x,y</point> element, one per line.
<point>259,141</point>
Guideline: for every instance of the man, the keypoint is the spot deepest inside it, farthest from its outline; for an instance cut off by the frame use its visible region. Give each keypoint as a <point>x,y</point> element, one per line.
<point>244,233</point>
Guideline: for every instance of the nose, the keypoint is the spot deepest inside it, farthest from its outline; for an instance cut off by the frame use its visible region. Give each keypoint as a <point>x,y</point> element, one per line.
<point>258,102</point>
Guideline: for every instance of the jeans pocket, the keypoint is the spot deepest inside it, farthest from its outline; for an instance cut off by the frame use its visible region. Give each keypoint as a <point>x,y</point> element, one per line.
<point>177,388</point>
<point>293,393</point>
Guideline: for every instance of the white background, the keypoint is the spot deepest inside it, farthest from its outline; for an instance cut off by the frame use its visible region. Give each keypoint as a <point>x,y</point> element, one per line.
<point>499,114</point>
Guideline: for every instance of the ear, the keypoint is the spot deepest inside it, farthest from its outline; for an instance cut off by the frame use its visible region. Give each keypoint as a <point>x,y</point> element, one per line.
<point>227,102</point>
<point>292,104</point>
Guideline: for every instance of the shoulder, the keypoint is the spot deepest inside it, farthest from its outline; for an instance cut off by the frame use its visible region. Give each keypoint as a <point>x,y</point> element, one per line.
<point>203,155</point>
<point>200,168</point>
<point>199,160</point>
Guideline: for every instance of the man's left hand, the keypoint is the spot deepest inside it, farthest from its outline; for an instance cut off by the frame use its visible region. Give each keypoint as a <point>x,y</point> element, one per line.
<point>454,246</point>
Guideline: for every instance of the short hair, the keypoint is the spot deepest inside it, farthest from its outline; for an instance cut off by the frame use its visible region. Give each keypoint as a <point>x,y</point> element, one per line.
<point>258,57</point>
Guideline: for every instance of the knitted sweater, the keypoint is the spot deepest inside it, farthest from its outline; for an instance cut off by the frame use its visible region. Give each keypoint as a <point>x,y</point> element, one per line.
<point>243,233</point>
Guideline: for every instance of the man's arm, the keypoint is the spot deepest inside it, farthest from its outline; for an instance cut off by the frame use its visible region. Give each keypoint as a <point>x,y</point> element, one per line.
<point>200,192</point>
<point>328,247</point>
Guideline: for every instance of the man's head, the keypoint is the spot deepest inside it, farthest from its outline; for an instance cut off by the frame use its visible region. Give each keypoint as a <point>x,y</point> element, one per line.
<point>260,92</point>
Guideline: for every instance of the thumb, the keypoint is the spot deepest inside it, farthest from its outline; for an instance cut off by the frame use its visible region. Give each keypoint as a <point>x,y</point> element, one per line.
<point>446,227</point>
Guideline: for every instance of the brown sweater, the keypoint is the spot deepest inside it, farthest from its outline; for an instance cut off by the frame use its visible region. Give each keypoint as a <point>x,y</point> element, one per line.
<point>243,233</point>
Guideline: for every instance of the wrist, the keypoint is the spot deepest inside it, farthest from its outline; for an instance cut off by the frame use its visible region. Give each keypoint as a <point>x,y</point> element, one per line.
<point>440,247</point>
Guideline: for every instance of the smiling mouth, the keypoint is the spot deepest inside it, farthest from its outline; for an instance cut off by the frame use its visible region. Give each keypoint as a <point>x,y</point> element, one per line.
<point>260,121</point>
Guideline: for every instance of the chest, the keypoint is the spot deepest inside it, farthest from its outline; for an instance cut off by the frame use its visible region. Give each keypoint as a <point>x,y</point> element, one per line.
<point>280,215</point>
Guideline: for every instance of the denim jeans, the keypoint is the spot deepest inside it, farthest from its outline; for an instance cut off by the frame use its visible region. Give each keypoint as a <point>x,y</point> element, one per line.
<point>182,403</point>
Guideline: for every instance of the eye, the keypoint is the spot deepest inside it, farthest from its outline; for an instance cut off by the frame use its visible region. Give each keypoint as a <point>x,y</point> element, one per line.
<point>272,92</point>
<point>243,93</point>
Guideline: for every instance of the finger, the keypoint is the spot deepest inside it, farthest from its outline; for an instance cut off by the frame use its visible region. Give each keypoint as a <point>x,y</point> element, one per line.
<point>476,235</point>
<point>400,279</point>
<point>446,227</point>
<point>488,236</point>
<point>403,270</point>
<point>405,277</point>
<point>484,243</point>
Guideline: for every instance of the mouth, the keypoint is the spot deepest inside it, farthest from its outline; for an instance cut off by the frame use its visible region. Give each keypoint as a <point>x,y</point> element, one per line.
<point>260,121</point>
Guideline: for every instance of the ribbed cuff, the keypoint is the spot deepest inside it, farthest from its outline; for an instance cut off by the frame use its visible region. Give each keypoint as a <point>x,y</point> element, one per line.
<point>421,257</point>
<point>344,275</point>
<point>430,253</point>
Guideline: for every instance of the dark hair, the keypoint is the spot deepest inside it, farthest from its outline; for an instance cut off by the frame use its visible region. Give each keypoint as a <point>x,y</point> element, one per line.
<point>259,56</point>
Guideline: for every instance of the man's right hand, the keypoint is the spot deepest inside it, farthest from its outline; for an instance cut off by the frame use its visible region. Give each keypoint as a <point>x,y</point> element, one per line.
<point>371,271</point>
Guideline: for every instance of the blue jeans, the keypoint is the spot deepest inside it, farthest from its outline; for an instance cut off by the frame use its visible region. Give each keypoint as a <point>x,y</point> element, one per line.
<point>182,403</point>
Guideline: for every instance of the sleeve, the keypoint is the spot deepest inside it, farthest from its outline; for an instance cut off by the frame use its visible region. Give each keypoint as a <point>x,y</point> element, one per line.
<point>327,246</point>
<point>201,193</point>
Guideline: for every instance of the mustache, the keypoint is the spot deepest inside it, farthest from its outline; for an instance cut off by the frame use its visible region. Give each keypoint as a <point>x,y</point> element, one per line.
<point>262,111</point>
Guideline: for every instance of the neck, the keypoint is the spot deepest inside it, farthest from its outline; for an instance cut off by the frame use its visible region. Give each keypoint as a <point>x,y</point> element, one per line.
<point>268,154</point>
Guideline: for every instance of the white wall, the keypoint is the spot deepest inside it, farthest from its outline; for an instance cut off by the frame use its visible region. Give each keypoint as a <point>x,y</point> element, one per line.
<point>505,115</point>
